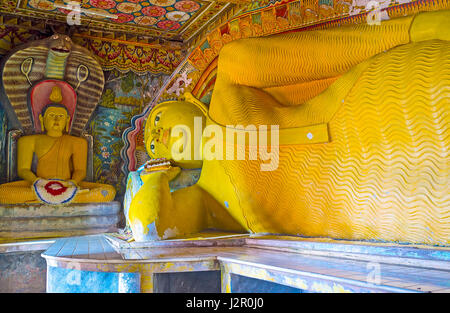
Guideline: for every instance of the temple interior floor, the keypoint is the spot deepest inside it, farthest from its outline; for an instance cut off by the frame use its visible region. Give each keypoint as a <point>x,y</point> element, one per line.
<point>221,262</point>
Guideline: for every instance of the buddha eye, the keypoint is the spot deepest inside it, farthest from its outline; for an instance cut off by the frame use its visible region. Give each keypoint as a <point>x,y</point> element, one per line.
<point>157,118</point>
<point>152,146</point>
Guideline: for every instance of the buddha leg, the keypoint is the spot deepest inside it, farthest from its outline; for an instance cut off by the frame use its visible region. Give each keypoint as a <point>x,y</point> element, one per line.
<point>17,192</point>
<point>97,193</point>
<point>305,63</point>
<point>303,56</point>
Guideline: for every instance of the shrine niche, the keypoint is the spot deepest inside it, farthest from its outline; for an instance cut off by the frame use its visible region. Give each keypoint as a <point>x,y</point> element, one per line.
<point>50,89</point>
<point>43,64</point>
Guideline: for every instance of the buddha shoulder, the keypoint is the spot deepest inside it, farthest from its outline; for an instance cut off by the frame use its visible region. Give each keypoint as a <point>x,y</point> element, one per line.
<point>29,140</point>
<point>77,141</point>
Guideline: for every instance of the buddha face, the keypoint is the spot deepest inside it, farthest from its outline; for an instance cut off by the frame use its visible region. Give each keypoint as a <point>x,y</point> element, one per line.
<point>170,128</point>
<point>55,120</point>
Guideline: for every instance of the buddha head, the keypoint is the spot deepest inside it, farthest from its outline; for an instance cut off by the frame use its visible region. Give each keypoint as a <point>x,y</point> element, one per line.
<point>54,116</point>
<point>170,131</point>
<point>54,119</point>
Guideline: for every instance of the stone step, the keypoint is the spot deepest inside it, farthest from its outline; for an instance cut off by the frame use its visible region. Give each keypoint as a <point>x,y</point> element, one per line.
<point>46,210</point>
<point>57,223</point>
<point>26,221</point>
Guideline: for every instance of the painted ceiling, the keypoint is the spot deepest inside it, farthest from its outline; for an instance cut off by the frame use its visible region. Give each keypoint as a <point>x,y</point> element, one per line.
<point>167,19</point>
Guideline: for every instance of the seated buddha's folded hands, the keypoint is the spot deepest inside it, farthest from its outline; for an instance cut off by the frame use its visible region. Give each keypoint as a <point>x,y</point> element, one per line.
<point>54,191</point>
<point>80,189</point>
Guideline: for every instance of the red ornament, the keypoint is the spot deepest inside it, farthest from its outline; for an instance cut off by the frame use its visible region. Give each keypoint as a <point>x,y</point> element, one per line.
<point>103,4</point>
<point>187,6</point>
<point>154,11</point>
<point>55,188</point>
<point>168,24</point>
<point>123,18</point>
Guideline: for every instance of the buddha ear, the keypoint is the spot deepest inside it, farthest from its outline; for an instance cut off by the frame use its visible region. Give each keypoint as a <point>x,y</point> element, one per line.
<point>67,124</point>
<point>41,119</point>
<point>189,97</point>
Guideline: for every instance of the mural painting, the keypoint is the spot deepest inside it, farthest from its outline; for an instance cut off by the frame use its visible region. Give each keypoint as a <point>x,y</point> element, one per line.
<point>3,134</point>
<point>124,96</point>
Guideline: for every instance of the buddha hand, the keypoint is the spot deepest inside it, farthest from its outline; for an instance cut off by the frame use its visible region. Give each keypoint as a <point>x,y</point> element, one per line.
<point>170,172</point>
<point>79,189</point>
<point>152,198</point>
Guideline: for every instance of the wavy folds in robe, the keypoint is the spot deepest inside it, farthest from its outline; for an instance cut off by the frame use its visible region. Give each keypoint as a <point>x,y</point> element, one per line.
<point>385,173</point>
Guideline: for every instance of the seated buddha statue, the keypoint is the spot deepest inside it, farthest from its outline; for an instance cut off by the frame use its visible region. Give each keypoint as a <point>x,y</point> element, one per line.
<point>376,170</point>
<point>59,157</point>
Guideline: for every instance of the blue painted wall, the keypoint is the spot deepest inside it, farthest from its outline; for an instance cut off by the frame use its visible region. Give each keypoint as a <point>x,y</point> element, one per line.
<point>242,284</point>
<point>62,280</point>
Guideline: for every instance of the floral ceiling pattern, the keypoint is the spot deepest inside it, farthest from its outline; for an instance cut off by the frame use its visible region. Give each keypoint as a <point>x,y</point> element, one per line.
<point>168,19</point>
<point>162,14</point>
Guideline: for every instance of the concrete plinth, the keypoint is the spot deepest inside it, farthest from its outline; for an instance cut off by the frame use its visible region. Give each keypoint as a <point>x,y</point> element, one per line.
<point>27,221</point>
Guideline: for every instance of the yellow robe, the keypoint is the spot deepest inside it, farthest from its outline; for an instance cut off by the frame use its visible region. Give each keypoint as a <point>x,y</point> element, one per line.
<point>384,173</point>
<point>56,163</point>
<point>382,93</point>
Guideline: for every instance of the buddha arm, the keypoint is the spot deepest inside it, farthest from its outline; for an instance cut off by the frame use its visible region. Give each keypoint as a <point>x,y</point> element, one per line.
<point>79,159</point>
<point>157,213</point>
<point>25,150</point>
<point>305,63</point>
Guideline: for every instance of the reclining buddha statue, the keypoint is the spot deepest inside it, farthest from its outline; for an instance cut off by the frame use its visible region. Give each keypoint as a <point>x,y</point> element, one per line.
<point>363,135</point>
<point>60,157</point>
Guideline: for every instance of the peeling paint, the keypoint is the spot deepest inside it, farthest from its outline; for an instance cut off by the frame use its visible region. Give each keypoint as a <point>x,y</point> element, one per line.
<point>295,282</point>
<point>325,288</point>
<point>170,233</point>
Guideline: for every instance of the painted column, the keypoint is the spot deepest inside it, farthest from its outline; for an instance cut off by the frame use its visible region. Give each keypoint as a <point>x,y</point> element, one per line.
<point>225,275</point>
<point>147,279</point>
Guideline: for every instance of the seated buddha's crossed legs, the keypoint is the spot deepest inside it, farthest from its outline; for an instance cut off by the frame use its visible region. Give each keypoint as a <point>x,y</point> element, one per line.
<point>97,193</point>
<point>10,192</point>
<point>90,192</point>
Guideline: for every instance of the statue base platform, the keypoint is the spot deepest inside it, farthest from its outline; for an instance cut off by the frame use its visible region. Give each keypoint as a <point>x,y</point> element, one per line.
<point>237,263</point>
<point>30,221</point>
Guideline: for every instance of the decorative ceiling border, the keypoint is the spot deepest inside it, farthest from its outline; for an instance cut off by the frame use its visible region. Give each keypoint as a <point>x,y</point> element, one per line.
<point>208,18</point>
<point>240,8</point>
<point>285,16</point>
<point>120,52</point>
<point>42,26</point>
<point>126,56</point>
